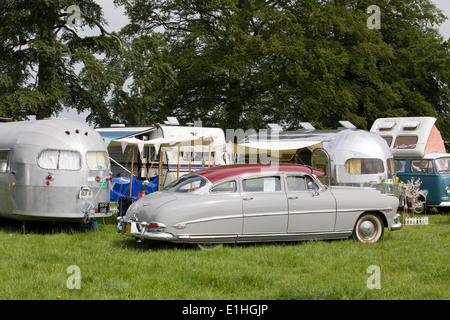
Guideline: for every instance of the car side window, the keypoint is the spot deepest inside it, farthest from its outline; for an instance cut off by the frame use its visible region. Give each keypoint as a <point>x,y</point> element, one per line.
<point>298,183</point>
<point>224,187</point>
<point>261,184</point>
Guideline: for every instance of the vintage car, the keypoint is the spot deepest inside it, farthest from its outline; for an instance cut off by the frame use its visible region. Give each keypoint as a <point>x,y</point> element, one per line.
<point>254,203</point>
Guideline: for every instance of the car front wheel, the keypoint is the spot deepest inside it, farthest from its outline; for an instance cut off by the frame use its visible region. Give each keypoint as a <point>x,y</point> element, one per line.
<point>368,228</point>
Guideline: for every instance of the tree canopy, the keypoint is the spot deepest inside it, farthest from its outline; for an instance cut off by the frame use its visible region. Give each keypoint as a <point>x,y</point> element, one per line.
<point>41,46</point>
<point>233,63</point>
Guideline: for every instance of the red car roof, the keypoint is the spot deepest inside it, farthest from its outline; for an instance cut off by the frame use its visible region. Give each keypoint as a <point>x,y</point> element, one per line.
<point>222,172</point>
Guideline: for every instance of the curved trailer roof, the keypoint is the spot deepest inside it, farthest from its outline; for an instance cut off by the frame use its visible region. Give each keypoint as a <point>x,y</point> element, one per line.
<point>51,134</point>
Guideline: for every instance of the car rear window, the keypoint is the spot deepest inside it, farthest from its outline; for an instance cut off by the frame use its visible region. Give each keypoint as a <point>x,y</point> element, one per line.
<point>224,187</point>
<point>186,183</point>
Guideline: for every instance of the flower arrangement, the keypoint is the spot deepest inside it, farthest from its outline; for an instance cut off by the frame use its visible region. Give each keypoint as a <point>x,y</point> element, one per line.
<point>410,191</point>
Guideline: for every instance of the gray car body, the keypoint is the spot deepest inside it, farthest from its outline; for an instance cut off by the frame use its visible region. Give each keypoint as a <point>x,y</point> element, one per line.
<point>232,217</point>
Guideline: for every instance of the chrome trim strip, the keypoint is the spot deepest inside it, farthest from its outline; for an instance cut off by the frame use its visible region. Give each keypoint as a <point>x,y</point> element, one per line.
<point>267,236</point>
<point>265,214</point>
<point>182,225</point>
<point>364,209</point>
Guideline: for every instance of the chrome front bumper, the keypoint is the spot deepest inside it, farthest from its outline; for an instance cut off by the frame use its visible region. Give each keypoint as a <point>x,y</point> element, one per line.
<point>142,230</point>
<point>397,225</point>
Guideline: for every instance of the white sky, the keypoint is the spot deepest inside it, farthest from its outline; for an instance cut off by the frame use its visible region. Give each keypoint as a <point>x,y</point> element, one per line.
<point>117,20</point>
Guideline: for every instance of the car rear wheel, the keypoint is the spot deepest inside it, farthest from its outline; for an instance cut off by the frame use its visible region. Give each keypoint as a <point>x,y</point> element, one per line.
<point>368,228</point>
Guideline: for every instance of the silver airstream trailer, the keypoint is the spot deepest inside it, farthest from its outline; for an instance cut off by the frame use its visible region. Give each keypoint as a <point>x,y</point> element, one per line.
<point>348,156</point>
<point>53,170</point>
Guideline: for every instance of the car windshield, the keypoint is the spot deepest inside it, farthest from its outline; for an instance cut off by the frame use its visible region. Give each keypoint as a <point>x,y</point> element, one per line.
<point>187,183</point>
<point>443,165</point>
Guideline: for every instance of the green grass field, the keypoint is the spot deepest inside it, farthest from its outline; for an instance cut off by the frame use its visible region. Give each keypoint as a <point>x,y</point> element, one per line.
<point>414,264</point>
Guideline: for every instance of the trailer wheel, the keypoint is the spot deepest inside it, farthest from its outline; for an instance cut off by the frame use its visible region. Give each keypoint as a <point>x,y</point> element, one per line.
<point>368,228</point>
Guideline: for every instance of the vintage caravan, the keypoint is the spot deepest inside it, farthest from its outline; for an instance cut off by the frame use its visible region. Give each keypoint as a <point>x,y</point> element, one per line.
<point>347,156</point>
<point>205,148</point>
<point>419,153</point>
<point>53,170</point>
<point>140,152</point>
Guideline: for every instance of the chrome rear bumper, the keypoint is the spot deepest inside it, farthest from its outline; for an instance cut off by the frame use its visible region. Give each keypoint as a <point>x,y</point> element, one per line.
<point>142,230</point>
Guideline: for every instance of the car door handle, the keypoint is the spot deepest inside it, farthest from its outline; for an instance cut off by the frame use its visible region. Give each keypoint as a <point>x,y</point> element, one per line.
<point>292,198</point>
<point>247,198</point>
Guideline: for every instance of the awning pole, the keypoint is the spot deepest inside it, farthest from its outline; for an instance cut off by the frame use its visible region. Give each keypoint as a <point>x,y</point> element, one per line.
<point>190,158</point>
<point>209,153</point>
<point>131,177</point>
<point>160,168</point>
<point>178,166</point>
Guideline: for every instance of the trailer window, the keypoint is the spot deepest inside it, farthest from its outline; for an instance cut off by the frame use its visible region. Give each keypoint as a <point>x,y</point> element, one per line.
<point>59,160</point>
<point>4,161</point>
<point>405,142</point>
<point>364,166</point>
<point>97,160</point>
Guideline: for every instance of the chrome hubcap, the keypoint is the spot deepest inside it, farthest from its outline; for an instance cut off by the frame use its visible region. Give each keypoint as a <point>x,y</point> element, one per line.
<point>367,229</point>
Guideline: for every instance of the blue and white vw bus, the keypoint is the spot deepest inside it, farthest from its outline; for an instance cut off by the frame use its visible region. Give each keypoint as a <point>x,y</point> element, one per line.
<point>433,170</point>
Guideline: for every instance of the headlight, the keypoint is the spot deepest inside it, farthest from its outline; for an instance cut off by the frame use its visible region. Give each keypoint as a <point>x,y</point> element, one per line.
<point>447,189</point>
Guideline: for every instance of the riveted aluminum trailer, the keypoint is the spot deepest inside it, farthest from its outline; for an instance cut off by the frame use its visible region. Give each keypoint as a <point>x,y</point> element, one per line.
<point>53,170</point>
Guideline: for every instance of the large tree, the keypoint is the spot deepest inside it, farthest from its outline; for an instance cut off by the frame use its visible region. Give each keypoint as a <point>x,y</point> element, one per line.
<point>142,79</point>
<point>46,64</point>
<point>244,63</point>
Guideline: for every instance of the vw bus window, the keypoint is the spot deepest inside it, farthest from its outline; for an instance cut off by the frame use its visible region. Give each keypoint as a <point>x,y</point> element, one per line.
<point>59,160</point>
<point>97,160</point>
<point>421,166</point>
<point>364,166</point>
<point>443,165</point>
<point>400,166</point>
<point>4,161</point>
